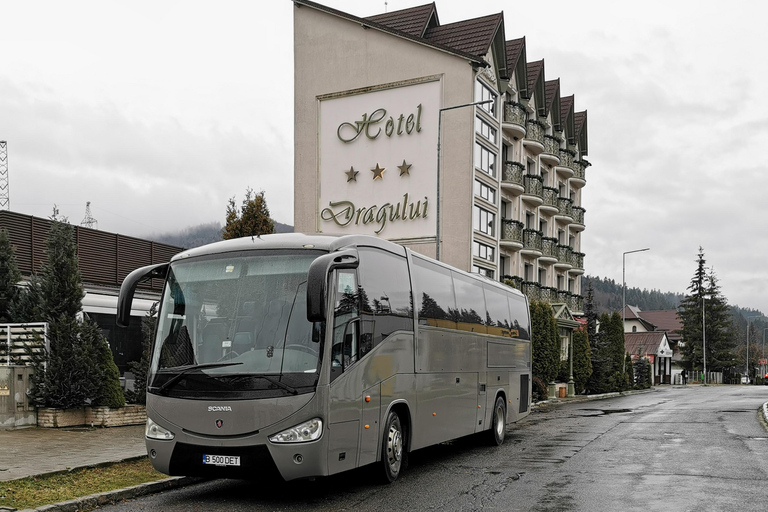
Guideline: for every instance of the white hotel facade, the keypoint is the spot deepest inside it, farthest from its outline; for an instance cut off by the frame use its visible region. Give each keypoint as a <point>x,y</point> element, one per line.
<point>372,98</point>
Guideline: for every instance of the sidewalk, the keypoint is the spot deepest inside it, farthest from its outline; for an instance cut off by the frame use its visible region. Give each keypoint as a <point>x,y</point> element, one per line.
<point>35,451</point>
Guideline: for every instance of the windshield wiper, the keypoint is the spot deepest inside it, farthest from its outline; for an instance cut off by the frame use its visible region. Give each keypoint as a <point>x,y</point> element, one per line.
<point>187,369</point>
<point>279,384</point>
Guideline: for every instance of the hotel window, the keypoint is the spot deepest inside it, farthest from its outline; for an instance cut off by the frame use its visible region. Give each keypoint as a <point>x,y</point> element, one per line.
<point>482,271</point>
<point>484,93</point>
<point>485,159</point>
<point>530,167</point>
<point>486,130</point>
<point>484,252</point>
<point>483,221</point>
<point>486,192</point>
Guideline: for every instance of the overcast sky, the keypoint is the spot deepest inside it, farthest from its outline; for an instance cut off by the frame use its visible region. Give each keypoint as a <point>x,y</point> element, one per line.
<point>158,112</point>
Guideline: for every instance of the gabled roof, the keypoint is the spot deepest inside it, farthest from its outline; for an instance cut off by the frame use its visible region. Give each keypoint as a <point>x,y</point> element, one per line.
<point>647,343</point>
<point>535,71</point>
<point>666,320</point>
<point>414,20</point>
<point>516,63</point>
<point>552,105</point>
<point>470,36</point>
<point>580,119</point>
<point>567,118</point>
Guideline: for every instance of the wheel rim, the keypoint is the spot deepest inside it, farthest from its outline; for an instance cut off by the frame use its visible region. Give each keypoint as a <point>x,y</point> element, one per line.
<point>499,421</point>
<point>394,447</point>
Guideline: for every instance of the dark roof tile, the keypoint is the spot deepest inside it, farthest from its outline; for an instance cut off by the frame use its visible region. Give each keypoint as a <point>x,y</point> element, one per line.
<point>534,70</point>
<point>413,21</point>
<point>515,49</point>
<point>566,105</point>
<point>470,36</point>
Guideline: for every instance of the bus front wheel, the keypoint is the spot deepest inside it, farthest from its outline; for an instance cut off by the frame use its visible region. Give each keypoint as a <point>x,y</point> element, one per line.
<point>393,449</point>
<point>498,423</point>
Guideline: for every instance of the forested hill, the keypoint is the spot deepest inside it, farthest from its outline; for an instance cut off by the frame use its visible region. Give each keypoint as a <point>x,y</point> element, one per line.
<point>203,234</point>
<point>607,296</point>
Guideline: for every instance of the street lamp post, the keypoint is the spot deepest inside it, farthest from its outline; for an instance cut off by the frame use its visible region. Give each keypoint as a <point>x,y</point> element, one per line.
<point>439,129</point>
<point>704,337</point>
<point>624,296</point>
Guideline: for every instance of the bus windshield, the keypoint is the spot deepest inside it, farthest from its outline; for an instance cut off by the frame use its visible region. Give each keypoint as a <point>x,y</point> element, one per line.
<point>235,326</point>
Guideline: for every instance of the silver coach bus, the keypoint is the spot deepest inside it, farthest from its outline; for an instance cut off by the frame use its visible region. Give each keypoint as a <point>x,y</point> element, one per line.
<point>315,354</point>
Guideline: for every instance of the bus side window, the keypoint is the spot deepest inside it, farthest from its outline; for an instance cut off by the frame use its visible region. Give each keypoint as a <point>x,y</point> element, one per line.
<point>346,324</point>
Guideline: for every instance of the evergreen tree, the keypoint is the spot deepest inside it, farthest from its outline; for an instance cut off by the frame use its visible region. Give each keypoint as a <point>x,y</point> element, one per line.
<point>9,278</point>
<point>704,298</point>
<point>614,328</point>
<point>602,360</point>
<point>102,372</point>
<point>140,368</point>
<point>642,372</point>
<point>582,361</point>
<point>545,342</point>
<point>252,219</point>
<point>590,313</point>
<point>629,370</point>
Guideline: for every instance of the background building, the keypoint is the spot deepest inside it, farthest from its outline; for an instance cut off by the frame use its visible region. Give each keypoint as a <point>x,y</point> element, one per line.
<point>387,142</point>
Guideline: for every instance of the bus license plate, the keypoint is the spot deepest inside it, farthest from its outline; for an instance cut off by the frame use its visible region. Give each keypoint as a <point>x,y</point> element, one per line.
<point>221,460</point>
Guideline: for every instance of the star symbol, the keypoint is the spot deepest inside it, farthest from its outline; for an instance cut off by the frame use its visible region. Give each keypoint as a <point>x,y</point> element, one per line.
<point>378,172</point>
<point>351,174</point>
<point>405,168</point>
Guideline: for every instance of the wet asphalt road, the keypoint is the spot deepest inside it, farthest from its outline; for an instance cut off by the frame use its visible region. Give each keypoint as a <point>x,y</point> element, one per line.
<point>678,448</point>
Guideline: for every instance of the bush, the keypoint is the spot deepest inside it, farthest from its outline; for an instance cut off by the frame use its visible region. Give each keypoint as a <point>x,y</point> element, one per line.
<point>539,390</point>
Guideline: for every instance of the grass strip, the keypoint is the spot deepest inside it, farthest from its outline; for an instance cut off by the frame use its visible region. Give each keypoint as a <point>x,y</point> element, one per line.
<point>33,492</point>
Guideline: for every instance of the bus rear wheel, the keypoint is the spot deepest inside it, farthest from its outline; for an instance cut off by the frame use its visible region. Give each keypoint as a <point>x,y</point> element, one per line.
<point>393,449</point>
<point>498,423</point>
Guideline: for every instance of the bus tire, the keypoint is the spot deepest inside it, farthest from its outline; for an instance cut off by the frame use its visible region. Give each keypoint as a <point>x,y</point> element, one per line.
<point>393,451</point>
<point>496,434</point>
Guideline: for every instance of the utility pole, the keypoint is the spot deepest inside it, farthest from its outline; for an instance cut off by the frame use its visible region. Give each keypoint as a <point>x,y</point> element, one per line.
<point>88,221</point>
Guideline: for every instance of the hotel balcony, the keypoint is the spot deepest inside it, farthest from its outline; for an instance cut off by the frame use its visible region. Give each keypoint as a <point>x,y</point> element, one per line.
<point>512,178</point>
<point>514,120</point>
<point>532,242</point>
<point>565,209</point>
<point>548,250</point>
<point>566,168</point>
<point>548,294</point>
<point>578,218</point>
<point>579,177</point>
<point>564,257</point>
<point>577,261</point>
<point>575,303</point>
<point>511,234</point>
<point>550,199</point>
<point>533,189</point>
<point>551,153</point>
<point>531,289</point>
<point>534,137</point>
<point>513,281</point>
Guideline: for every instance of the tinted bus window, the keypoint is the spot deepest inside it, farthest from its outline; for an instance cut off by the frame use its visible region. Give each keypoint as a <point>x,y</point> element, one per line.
<point>521,321</point>
<point>385,296</point>
<point>497,310</point>
<point>470,303</point>
<point>434,294</point>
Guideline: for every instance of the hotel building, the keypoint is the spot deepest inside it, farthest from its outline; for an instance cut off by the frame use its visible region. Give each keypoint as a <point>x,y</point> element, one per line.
<point>441,137</point>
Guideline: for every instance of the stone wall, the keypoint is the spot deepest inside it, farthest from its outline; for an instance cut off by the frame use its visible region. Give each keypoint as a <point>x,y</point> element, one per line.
<point>92,416</point>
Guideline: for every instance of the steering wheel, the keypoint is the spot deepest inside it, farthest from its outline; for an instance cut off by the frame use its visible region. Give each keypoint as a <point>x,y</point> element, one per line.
<point>301,348</point>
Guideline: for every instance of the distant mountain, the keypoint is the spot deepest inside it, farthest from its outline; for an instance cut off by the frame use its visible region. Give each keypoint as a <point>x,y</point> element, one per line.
<point>203,234</point>
<point>607,296</point>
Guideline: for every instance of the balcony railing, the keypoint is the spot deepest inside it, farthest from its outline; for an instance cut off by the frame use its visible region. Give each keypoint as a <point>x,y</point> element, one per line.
<point>577,260</point>
<point>512,230</point>
<point>532,239</point>
<point>513,173</point>
<point>564,253</point>
<point>565,206</point>
<point>548,294</point>
<point>549,247</point>
<point>579,168</point>
<point>576,303</point>
<point>551,147</point>
<point>534,185</point>
<point>563,296</point>
<point>566,158</point>
<point>513,281</point>
<point>532,289</point>
<point>550,197</point>
<point>535,131</point>
<point>515,114</point>
<point>578,215</point>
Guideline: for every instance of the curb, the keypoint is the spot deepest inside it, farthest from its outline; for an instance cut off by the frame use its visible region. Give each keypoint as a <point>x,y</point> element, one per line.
<point>588,398</point>
<point>763,415</point>
<point>110,497</point>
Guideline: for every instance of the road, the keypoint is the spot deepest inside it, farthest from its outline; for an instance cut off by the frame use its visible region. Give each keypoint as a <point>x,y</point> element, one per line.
<point>677,448</point>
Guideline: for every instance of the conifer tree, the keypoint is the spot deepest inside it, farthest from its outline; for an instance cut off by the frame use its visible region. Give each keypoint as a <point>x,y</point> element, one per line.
<point>140,368</point>
<point>9,278</point>
<point>582,361</point>
<point>602,360</point>
<point>252,219</point>
<point>545,342</point>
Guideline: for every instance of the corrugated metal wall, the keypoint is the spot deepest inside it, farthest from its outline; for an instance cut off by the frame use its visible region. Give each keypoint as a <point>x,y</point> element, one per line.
<point>105,258</point>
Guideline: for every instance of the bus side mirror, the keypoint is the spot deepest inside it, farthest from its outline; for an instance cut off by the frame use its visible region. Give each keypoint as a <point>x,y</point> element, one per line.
<point>128,288</point>
<point>317,280</point>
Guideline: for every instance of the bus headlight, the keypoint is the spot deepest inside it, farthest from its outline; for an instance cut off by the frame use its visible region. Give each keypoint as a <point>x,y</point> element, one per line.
<point>307,431</point>
<point>155,431</point>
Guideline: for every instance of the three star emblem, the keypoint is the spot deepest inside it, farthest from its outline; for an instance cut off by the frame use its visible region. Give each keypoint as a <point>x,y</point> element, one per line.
<point>378,171</point>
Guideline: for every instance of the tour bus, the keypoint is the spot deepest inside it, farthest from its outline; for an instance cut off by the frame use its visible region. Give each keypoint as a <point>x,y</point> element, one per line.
<point>315,354</point>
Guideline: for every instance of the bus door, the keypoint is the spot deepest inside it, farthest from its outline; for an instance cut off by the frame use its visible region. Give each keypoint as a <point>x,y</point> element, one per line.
<point>346,387</point>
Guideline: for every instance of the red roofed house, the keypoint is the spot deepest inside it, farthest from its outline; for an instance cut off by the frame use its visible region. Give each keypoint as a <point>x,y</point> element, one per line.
<point>666,322</point>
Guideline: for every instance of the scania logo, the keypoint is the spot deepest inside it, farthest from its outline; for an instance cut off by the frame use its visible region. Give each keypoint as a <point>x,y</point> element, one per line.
<point>219,408</point>
<point>219,423</point>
